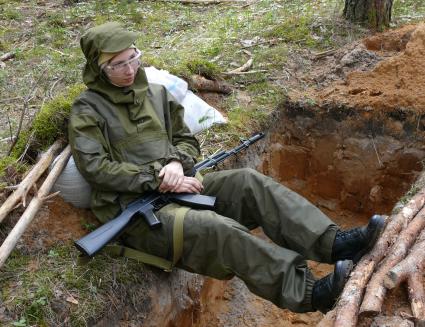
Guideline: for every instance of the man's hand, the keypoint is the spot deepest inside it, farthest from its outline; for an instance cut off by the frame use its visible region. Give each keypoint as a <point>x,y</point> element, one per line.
<point>172,176</point>
<point>189,185</point>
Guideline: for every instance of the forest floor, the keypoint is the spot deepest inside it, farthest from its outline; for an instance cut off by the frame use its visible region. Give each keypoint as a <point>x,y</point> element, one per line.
<point>302,52</point>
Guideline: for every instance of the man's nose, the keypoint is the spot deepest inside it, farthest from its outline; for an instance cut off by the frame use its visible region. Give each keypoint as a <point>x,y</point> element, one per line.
<point>128,69</point>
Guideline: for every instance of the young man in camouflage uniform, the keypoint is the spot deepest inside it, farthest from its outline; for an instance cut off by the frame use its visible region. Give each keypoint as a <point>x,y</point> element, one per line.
<point>128,137</point>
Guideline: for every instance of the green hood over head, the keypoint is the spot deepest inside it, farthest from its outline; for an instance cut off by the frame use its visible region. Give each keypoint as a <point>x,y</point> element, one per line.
<point>111,38</point>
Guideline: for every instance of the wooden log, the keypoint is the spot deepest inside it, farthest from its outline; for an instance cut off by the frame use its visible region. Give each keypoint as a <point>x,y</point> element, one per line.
<point>415,288</point>
<point>200,83</point>
<point>376,291</point>
<point>349,302</point>
<point>414,262</point>
<point>25,186</point>
<point>35,204</point>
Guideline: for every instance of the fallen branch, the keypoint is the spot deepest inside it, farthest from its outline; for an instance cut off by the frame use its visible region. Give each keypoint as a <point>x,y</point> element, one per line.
<point>324,54</point>
<point>245,67</point>
<point>247,73</point>
<point>7,56</point>
<point>376,291</point>
<point>351,297</point>
<point>200,83</point>
<point>7,139</point>
<point>50,196</point>
<point>35,204</point>
<point>27,183</point>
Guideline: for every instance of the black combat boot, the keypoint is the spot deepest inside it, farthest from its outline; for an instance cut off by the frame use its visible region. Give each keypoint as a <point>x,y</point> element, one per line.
<point>327,290</point>
<point>354,243</point>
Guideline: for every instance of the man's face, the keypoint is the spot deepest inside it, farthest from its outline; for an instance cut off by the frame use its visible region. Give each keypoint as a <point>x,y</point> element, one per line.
<point>122,68</point>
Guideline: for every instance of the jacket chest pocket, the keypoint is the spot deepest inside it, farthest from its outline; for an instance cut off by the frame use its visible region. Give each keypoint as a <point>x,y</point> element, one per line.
<point>141,148</point>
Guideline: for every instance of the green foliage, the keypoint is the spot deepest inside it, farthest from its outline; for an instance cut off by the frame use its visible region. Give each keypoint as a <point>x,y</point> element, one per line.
<point>54,277</point>
<point>11,161</point>
<point>10,14</point>
<point>407,10</point>
<point>295,29</point>
<point>50,122</point>
<point>21,323</point>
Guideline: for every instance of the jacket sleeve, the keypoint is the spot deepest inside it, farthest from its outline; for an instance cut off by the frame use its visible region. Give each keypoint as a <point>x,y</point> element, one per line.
<point>185,144</point>
<point>90,150</point>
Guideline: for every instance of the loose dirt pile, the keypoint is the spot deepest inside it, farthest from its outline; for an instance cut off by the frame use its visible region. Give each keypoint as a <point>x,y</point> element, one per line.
<point>395,84</point>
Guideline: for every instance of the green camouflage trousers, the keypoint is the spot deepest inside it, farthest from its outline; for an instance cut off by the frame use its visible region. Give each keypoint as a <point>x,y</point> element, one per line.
<point>219,243</point>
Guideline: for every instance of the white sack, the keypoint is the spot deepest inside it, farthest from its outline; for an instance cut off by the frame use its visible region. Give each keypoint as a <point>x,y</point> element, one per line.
<point>175,85</point>
<point>72,186</point>
<point>199,115</point>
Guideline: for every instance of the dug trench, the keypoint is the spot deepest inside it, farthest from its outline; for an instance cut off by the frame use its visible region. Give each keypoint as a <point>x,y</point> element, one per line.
<point>352,153</point>
<point>350,164</point>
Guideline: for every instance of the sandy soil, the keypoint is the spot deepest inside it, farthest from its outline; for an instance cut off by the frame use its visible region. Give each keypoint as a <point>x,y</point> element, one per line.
<point>57,222</point>
<point>394,84</point>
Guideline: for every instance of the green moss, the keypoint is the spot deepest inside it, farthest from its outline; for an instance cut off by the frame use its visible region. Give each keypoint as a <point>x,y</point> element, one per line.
<point>50,122</point>
<point>203,67</point>
<point>11,161</point>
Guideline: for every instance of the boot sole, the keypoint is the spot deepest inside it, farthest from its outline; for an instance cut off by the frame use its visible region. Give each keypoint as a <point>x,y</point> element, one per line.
<point>342,272</point>
<point>377,224</point>
<point>343,269</point>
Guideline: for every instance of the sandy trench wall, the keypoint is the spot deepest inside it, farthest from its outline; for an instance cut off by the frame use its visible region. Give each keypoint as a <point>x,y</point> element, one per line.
<point>341,159</point>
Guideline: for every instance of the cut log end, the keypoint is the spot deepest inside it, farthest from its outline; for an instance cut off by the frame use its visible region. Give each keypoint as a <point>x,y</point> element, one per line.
<point>391,280</point>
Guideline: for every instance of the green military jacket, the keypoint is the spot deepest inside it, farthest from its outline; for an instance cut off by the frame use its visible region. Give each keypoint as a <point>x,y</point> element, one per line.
<point>121,137</point>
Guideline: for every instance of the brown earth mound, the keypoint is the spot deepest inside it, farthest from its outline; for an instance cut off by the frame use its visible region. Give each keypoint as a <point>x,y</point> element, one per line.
<point>395,83</point>
<point>393,40</point>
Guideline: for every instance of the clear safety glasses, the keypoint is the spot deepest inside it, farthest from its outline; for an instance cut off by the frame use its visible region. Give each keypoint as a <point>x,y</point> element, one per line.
<point>121,67</point>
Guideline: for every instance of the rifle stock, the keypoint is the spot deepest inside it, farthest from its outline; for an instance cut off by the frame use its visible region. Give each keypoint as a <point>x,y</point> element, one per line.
<point>93,242</point>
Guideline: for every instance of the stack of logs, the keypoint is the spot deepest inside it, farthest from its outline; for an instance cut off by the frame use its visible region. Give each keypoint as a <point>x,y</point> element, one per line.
<point>398,256</point>
<point>19,196</point>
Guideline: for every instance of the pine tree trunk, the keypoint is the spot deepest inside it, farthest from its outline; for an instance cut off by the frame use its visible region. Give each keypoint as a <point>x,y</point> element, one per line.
<point>373,13</point>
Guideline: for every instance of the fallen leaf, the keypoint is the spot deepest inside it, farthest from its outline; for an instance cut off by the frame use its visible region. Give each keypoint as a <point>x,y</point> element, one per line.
<point>71,299</point>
